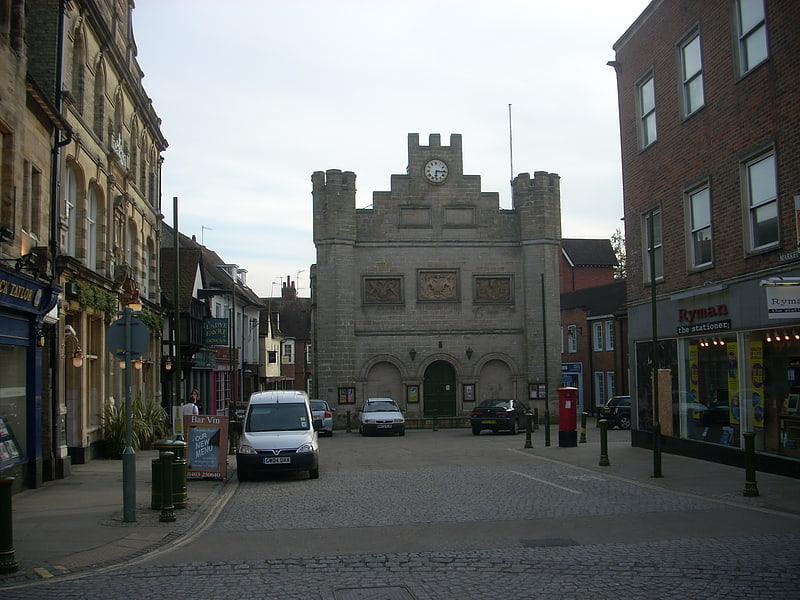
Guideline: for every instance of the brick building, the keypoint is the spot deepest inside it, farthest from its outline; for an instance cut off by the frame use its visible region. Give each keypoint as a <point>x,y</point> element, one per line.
<point>710,133</point>
<point>434,295</point>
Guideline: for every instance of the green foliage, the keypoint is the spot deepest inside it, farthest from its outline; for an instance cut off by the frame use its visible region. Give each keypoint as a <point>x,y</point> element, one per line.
<point>149,423</point>
<point>90,295</point>
<point>154,321</point>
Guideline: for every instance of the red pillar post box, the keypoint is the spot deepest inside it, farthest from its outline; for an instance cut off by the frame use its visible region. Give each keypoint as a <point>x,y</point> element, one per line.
<point>567,416</point>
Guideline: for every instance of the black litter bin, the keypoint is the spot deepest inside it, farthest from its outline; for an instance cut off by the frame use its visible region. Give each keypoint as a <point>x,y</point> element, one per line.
<point>180,496</point>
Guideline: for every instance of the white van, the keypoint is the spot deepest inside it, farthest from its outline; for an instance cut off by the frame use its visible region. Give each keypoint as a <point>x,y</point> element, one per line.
<point>278,434</point>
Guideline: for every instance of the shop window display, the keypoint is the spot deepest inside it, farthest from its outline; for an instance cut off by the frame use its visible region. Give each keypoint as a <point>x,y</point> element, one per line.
<point>709,410</point>
<point>13,421</point>
<point>777,421</point>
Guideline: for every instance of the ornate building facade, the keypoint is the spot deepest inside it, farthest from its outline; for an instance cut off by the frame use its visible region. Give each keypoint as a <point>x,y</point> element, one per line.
<point>87,216</point>
<point>435,296</point>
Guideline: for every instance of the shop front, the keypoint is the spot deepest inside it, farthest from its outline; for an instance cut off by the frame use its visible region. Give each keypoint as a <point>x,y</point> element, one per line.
<point>24,303</point>
<point>728,363</point>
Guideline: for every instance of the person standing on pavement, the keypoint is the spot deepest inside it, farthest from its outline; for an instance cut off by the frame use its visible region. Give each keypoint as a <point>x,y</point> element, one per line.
<point>190,408</point>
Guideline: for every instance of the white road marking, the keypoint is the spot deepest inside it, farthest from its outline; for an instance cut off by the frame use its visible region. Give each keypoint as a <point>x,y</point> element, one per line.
<point>561,487</point>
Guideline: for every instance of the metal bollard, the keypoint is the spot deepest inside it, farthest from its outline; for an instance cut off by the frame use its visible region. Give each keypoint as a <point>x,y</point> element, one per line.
<point>584,414</point>
<point>167,508</point>
<point>750,485</point>
<point>604,462</point>
<point>435,424</point>
<point>8,562</point>
<point>348,430</point>
<point>528,423</point>
<point>547,427</point>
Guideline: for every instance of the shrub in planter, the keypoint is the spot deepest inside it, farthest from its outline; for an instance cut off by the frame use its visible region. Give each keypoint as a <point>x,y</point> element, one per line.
<point>149,423</point>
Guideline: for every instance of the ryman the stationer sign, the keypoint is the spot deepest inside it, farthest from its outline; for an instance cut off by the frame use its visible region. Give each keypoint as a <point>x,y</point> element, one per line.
<point>783,301</point>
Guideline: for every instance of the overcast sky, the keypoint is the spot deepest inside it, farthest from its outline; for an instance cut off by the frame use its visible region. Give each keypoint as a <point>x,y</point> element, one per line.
<point>256,95</point>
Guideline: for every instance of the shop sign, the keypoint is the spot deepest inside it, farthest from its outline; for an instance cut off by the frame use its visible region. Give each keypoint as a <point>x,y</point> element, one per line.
<point>216,332</point>
<point>704,328</point>
<point>688,318</point>
<point>18,293</point>
<point>783,301</point>
<point>207,444</point>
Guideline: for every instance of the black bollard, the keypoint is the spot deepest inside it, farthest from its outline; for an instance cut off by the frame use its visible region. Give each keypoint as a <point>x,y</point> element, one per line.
<point>528,427</point>
<point>167,507</point>
<point>604,462</point>
<point>750,485</point>
<point>8,562</point>
<point>348,430</point>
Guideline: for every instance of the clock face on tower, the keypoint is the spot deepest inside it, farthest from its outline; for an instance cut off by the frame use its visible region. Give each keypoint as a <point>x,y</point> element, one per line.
<point>435,170</point>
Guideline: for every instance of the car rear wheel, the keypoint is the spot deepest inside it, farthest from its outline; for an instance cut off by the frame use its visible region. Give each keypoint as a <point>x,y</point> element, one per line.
<point>513,429</point>
<point>624,422</point>
<point>476,431</point>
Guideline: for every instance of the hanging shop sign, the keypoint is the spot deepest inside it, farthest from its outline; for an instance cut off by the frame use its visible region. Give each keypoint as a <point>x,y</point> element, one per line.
<point>216,331</point>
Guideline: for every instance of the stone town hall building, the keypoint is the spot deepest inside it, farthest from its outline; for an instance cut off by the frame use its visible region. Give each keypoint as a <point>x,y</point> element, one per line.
<point>434,295</point>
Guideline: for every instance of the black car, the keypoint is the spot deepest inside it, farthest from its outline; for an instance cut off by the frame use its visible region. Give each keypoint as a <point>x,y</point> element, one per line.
<point>617,411</point>
<point>502,414</point>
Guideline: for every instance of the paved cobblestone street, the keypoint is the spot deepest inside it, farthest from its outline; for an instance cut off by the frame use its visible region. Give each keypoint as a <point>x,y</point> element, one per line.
<point>443,515</point>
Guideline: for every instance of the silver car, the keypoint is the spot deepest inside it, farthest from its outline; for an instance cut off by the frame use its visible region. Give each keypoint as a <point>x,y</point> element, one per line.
<point>381,415</point>
<point>320,409</point>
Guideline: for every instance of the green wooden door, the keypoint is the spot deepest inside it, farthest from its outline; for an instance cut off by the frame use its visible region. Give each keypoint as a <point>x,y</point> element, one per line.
<point>439,390</point>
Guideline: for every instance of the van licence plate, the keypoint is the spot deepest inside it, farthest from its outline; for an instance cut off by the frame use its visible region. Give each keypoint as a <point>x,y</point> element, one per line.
<point>277,460</point>
<point>489,422</point>
<point>384,426</point>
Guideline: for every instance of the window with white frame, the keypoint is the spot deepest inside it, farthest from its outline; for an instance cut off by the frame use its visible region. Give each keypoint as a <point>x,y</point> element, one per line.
<point>752,33</point>
<point>71,208</point>
<point>653,247</point>
<point>599,388</point>
<point>288,352</point>
<point>611,384</point>
<point>700,222</point>
<point>597,337</point>
<point>762,199</point>
<point>309,353</point>
<point>692,74</point>
<point>572,338</point>
<point>91,230</point>
<point>223,390</point>
<point>647,111</point>
<point>610,337</point>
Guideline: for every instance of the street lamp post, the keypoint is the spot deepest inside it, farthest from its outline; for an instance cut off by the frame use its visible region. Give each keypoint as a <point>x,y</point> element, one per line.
<point>127,338</point>
<point>129,454</point>
<point>654,309</point>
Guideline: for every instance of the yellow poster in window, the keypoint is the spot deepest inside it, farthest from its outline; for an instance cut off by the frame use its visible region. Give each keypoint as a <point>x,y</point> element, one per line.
<point>694,382</point>
<point>733,382</point>
<point>757,384</point>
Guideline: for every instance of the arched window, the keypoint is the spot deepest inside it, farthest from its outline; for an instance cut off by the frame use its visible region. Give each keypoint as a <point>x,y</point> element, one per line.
<point>79,71</point>
<point>71,208</point>
<point>130,256</point>
<point>91,230</point>
<point>99,100</point>
<point>134,157</point>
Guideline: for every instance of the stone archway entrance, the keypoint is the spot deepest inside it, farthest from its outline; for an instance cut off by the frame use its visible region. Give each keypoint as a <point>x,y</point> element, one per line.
<point>439,390</point>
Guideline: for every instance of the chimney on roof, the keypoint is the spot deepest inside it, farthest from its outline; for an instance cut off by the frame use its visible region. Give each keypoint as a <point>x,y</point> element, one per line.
<point>288,291</point>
